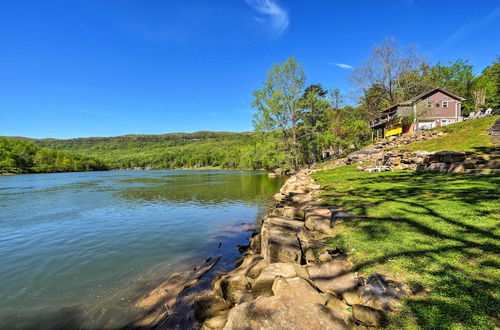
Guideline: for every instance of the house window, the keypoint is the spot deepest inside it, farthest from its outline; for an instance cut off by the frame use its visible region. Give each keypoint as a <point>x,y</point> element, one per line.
<point>445,104</point>
<point>437,104</point>
<point>429,104</point>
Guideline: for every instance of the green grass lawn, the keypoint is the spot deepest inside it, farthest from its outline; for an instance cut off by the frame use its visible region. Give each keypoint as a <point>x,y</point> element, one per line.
<point>465,136</point>
<point>439,233</point>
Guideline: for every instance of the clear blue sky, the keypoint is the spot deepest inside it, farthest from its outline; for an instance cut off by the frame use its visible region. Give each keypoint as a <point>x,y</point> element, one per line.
<point>112,67</point>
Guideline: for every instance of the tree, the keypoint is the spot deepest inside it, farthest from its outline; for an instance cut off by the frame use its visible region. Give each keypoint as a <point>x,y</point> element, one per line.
<point>458,77</point>
<point>489,81</point>
<point>315,108</point>
<point>385,69</point>
<point>278,105</point>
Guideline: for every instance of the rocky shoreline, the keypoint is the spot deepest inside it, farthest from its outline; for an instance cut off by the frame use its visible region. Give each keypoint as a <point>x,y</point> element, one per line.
<point>287,279</point>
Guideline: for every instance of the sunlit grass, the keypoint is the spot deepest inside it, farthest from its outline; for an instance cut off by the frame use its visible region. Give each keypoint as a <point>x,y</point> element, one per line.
<point>439,233</point>
<point>465,136</point>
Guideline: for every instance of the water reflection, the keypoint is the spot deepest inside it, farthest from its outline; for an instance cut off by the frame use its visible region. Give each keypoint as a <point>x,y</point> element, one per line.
<point>201,187</point>
<point>77,249</point>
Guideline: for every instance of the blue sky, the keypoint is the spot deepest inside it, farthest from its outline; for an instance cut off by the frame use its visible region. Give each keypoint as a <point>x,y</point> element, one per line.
<point>112,67</point>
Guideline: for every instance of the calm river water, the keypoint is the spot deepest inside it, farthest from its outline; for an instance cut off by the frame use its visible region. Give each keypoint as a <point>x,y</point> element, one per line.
<point>77,249</point>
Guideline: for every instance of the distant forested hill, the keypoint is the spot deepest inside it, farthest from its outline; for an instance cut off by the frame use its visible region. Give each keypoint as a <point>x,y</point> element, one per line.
<point>21,156</point>
<point>175,150</point>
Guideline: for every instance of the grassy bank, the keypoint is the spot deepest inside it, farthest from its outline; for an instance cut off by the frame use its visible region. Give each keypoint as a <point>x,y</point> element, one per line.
<point>465,136</point>
<point>437,232</point>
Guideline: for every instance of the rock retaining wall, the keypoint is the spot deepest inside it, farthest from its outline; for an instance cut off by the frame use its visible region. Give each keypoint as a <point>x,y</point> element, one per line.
<point>282,283</point>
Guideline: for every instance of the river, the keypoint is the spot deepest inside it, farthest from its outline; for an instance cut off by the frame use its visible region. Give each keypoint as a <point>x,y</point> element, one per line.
<point>78,249</point>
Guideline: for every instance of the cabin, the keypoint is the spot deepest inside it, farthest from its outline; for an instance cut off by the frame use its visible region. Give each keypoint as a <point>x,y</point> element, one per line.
<point>434,108</point>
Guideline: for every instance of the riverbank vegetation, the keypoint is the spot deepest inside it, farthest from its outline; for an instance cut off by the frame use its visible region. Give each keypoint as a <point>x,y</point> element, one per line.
<point>18,156</point>
<point>436,232</point>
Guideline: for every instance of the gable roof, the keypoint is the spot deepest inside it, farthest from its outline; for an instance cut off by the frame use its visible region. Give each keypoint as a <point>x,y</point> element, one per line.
<point>424,95</point>
<point>432,91</point>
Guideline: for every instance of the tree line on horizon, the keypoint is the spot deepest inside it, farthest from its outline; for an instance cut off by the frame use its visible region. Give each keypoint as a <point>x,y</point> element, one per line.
<point>18,156</point>
<point>293,123</point>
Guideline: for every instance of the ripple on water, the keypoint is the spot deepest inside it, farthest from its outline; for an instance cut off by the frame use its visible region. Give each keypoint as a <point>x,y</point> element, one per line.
<point>81,248</point>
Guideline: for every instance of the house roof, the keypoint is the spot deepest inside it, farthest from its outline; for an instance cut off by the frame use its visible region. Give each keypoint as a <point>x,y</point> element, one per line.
<point>436,89</point>
<point>423,95</point>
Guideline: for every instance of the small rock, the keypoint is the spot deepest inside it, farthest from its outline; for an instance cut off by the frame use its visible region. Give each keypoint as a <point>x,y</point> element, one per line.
<point>207,306</point>
<point>325,257</point>
<point>352,297</point>
<point>367,315</point>
<point>215,323</point>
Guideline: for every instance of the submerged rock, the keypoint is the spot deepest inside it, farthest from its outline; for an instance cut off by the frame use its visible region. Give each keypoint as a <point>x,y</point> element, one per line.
<point>207,306</point>
<point>215,323</point>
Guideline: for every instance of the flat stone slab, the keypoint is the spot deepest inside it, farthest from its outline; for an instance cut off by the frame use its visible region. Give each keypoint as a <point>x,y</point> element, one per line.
<point>262,286</point>
<point>332,277</point>
<point>280,244</point>
<point>285,222</point>
<point>283,312</point>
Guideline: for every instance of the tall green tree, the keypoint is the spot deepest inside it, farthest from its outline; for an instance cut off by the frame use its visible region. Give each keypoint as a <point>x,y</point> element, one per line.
<point>489,80</point>
<point>278,106</point>
<point>314,125</point>
<point>458,77</point>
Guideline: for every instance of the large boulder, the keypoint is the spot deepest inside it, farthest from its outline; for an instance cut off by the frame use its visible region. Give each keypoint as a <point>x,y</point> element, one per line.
<point>366,315</point>
<point>283,312</point>
<point>256,269</point>
<point>299,289</point>
<point>262,286</point>
<point>208,306</point>
<point>318,211</point>
<point>293,212</point>
<point>231,284</point>
<point>332,277</point>
<point>438,167</point>
<point>318,223</point>
<point>342,309</point>
<point>445,157</point>
<point>457,167</point>
<point>279,244</point>
<point>284,222</point>
<point>255,243</point>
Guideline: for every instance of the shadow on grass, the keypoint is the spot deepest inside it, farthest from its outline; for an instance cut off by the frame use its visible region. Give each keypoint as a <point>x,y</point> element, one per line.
<point>445,231</point>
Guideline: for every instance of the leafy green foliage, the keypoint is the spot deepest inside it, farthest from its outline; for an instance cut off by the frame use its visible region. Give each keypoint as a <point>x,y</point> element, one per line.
<point>437,232</point>
<point>490,81</point>
<point>177,150</point>
<point>278,105</point>
<point>18,156</point>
